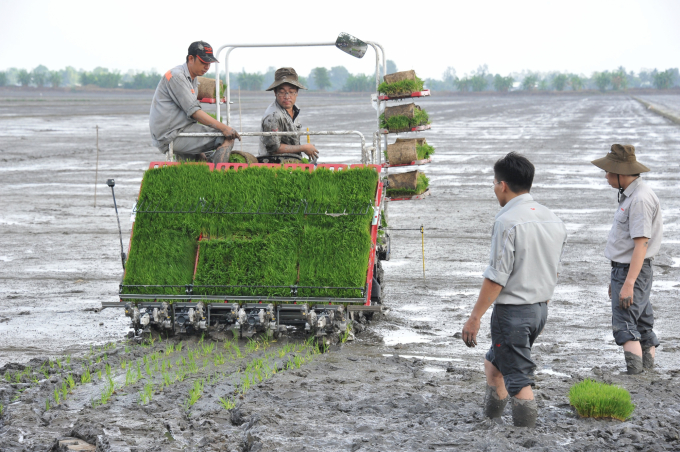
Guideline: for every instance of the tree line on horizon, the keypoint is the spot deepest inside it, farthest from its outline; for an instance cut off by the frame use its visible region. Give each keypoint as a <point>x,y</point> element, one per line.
<point>338,78</point>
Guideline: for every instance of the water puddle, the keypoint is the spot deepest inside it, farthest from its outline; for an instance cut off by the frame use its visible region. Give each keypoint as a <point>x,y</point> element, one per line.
<point>549,371</point>
<point>403,336</point>
<point>433,369</point>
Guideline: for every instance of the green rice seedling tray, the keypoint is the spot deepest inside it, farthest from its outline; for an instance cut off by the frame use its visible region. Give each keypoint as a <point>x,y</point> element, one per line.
<point>238,231</point>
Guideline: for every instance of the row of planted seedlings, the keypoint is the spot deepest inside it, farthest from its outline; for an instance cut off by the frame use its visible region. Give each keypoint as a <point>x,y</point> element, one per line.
<point>178,204</point>
<point>62,375</point>
<point>166,365</point>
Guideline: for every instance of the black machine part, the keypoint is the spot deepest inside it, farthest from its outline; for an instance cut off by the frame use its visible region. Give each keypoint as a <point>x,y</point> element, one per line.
<point>112,183</point>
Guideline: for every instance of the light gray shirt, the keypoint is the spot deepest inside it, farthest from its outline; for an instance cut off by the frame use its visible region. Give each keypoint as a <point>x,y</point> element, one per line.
<point>526,251</point>
<point>172,106</point>
<point>277,119</point>
<point>638,215</point>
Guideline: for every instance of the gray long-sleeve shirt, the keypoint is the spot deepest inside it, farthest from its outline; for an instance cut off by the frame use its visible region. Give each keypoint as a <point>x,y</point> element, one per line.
<point>526,250</point>
<point>638,215</point>
<point>277,119</point>
<point>172,106</point>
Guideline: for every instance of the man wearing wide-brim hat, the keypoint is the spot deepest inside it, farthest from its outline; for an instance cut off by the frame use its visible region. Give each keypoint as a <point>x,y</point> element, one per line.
<point>283,116</point>
<point>634,240</point>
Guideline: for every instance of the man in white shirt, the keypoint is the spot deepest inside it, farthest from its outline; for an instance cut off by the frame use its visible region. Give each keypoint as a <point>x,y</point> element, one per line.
<point>526,249</point>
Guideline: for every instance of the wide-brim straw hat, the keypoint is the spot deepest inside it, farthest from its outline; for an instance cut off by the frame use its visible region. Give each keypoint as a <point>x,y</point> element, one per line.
<point>621,160</point>
<point>285,75</point>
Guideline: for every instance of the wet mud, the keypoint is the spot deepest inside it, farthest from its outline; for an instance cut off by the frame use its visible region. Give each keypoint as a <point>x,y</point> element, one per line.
<point>407,381</point>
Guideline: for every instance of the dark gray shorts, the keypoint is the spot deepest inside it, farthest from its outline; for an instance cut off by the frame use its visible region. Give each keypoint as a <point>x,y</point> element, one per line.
<point>514,328</point>
<point>635,323</point>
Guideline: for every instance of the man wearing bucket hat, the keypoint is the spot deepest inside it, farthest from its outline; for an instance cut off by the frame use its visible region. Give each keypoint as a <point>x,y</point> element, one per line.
<point>282,116</point>
<point>634,240</point>
<point>175,109</point>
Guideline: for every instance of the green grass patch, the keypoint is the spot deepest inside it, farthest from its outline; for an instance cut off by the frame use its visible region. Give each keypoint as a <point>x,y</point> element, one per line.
<point>421,185</point>
<point>401,87</point>
<point>424,151</point>
<point>241,249</point>
<point>237,158</point>
<point>401,122</point>
<point>600,400</point>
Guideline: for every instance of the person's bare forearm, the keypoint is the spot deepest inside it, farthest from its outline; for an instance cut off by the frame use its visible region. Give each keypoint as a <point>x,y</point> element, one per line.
<point>487,295</point>
<point>207,120</point>
<point>289,149</point>
<point>639,253</point>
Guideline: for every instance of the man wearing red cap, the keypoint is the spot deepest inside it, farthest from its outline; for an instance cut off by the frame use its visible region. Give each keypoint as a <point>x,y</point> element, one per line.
<point>634,240</point>
<point>175,109</point>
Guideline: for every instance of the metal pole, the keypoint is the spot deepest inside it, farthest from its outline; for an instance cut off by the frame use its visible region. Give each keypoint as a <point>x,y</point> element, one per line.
<point>111,183</point>
<point>240,119</point>
<point>96,169</point>
<point>422,236</point>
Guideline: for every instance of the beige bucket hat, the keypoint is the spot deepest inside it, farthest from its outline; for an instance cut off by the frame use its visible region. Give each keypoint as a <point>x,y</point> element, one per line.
<point>285,75</point>
<point>621,160</point>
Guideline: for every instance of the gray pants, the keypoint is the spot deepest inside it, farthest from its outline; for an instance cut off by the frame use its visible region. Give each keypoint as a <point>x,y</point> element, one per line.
<point>637,322</point>
<point>187,148</point>
<point>514,328</point>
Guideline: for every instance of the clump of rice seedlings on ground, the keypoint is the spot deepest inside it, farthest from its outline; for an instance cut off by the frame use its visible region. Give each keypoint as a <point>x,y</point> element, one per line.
<point>401,87</point>
<point>227,404</point>
<point>421,186</point>
<point>402,122</point>
<point>600,400</point>
<point>86,377</point>
<point>195,392</point>
<point>107,391</point>
<point>146,394</point>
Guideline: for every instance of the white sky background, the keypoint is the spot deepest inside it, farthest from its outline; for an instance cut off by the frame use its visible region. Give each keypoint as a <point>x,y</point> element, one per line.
<point>509,36</point>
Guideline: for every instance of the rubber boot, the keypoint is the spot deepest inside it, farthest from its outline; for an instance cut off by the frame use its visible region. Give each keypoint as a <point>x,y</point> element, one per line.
<point>493,406</point>
<point>221,154</point>
<point>647,358</point>
<point>524,412</point>
<point>634,363</point>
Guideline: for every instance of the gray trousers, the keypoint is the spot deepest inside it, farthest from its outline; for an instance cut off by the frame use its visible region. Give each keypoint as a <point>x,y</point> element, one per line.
<point>187,148</point>
<point>514,328</point>
<point>637,322</point>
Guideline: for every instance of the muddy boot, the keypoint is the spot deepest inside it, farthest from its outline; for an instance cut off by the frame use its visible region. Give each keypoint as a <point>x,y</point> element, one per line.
<point>524,412</point>
<point>634,363</point>
<point>493,406</point>
<point>221,154</point>
<point>647,358</point>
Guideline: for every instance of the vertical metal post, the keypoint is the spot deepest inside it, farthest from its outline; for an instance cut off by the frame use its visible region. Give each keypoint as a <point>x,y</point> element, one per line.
<point>96,169</point>
<point>111,183</point>
<point>240,119</point>
<point>422,236</point>
<point>228,90</point>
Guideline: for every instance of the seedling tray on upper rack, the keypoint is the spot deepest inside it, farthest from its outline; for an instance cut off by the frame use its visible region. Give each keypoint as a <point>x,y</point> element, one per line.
<point>423,93</point>
<point>409,198</point>
<point>415,162</point>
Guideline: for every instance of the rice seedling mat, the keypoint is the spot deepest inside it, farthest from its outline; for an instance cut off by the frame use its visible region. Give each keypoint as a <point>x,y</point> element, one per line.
<point>254,232</point>
<point>415,187</point>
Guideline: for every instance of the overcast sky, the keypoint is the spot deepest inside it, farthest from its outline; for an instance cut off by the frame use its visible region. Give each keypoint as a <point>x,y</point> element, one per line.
<point>428,36</point>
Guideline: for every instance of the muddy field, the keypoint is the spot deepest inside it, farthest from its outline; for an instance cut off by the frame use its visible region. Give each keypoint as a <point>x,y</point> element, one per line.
<point>406,382</point>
